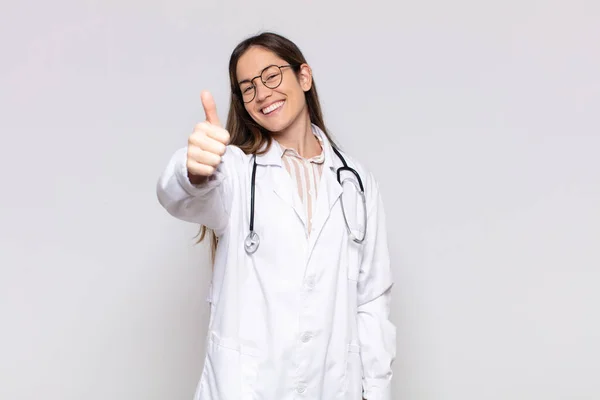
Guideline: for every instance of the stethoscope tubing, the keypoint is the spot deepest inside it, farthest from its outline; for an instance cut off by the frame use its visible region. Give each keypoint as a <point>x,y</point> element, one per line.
<point>253,240</point>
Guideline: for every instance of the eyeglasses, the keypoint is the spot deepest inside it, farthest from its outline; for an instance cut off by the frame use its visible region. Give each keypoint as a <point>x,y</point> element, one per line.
<point>271,77</point>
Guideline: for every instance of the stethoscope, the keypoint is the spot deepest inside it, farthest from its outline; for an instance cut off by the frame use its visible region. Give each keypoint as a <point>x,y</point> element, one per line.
<point>253,240</point>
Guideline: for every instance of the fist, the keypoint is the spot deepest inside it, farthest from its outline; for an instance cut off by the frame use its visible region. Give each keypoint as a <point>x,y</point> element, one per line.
<point>207,144</point>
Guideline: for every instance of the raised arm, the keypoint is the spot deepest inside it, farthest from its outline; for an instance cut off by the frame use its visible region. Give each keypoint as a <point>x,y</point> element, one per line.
<point>194,185</point>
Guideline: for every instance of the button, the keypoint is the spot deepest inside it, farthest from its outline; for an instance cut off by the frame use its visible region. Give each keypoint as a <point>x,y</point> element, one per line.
<point>310,282</point>
<point>306,337</point>
<point>301,388</point>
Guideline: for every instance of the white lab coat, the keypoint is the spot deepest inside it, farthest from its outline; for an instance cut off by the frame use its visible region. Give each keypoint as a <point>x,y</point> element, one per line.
<point>306,316</point>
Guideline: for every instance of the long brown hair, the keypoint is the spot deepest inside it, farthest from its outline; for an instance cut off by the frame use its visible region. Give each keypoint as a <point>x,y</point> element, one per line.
<point>245,133</point>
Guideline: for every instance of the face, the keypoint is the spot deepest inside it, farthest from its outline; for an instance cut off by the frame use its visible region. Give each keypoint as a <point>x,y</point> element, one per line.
<point>275,109</point>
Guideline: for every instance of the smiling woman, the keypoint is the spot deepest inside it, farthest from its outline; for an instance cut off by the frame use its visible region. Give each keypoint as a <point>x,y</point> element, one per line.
<point>300,295</point>
<point>276,96</point>
<point>268,73</point>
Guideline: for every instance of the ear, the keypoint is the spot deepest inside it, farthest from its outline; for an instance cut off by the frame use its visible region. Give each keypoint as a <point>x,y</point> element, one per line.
<point>305,77</point>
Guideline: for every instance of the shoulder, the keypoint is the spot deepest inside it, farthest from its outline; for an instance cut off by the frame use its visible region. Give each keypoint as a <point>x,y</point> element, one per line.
<point>235,159</point>
<point>234,152</point>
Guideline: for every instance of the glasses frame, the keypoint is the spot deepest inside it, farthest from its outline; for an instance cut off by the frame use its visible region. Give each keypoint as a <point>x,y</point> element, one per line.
<point>263,82</point>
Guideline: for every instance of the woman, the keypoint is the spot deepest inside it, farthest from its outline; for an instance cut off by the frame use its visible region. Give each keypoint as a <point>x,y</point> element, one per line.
<point>301,282</point>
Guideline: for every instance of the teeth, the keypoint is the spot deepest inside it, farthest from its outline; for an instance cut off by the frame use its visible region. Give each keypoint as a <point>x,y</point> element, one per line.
<point>272,107</point>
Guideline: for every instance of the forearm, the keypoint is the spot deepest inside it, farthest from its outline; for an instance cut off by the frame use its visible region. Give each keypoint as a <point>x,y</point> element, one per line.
<point>190,198</point>
<point>377,336</point>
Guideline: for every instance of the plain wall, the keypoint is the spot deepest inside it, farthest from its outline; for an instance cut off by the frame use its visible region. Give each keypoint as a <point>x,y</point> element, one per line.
<point>481,120</point>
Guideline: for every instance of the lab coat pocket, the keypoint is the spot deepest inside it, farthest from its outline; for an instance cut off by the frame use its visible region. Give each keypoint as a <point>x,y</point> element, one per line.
<point>229,370</point>
<point>353,378</point>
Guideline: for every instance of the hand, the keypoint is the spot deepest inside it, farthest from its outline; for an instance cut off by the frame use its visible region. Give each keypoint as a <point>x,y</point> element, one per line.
<point>206,144</point>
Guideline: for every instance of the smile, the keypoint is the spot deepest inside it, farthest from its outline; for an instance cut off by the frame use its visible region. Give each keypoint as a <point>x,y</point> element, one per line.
<point>272,107</point>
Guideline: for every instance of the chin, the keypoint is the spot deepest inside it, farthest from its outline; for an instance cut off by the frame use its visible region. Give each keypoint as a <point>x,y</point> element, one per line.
<point>278,125</point>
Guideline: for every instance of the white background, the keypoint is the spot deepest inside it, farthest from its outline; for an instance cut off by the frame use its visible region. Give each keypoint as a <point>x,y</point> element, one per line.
<point>480,120</point>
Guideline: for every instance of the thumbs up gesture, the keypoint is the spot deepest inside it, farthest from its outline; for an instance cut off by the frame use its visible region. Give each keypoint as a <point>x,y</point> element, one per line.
<point>206,145</point>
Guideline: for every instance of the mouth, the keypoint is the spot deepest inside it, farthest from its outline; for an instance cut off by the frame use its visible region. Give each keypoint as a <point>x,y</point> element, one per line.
<point>272,108</point>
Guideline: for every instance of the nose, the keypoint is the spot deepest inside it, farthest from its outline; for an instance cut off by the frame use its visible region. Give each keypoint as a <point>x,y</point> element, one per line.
<point>262,92</point>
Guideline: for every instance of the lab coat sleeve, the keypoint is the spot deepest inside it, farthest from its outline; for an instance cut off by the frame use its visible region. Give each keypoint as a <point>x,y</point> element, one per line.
<point>206,204</point>
<point>376,333</point>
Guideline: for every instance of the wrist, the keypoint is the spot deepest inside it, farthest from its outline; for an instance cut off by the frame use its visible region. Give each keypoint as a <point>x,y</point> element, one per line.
<point>196,179</point>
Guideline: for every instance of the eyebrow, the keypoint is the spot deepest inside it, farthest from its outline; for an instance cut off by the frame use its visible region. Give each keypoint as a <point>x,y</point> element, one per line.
<point>249,80</point>
<point>257,76</point>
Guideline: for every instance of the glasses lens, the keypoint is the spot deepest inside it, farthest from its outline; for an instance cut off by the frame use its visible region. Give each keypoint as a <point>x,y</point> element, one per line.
<point>248,91</point>
<point>271,77</point>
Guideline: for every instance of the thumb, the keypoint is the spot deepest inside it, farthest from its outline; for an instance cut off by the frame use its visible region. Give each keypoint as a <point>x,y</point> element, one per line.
<point>210,108</point>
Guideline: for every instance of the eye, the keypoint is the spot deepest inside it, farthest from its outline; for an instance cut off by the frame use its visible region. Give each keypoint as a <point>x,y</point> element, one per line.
<point>247,89</point>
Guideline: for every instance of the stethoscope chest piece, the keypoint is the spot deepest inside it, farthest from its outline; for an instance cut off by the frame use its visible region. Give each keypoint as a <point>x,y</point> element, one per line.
<point>251,243</point>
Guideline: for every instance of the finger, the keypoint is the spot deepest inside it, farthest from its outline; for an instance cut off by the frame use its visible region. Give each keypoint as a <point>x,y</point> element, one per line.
<point>212,131</point>
<point>205,129</point>
<point>204,157</point>
<point>211,159</point>
<point>212,146</point>
<point>218,134</point>
<point>210,108</point>
<point>201,127</point>
<point>196,168</point>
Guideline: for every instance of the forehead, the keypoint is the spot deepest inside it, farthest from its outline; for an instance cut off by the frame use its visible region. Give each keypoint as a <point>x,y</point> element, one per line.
<point>254,60</point>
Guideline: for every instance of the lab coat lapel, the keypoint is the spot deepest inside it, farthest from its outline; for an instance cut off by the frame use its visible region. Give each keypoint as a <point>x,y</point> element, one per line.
<point>282,184</point>
<point>329,191</point>
<point>284,188</point>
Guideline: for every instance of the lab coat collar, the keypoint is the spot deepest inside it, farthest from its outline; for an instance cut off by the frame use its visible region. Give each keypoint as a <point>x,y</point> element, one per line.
<point>330,157</point>
<point>273,155</point>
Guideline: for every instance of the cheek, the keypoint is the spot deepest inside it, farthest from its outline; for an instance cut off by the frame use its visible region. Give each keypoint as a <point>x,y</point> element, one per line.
<point>299,100</point>
<point>295,95</point>
<point>250,111</point>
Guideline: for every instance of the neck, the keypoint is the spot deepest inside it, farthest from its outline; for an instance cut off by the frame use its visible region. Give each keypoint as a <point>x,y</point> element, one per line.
<point>300,137</point>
